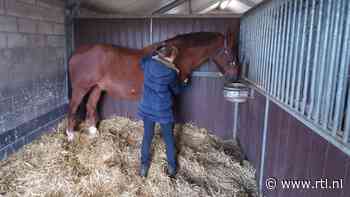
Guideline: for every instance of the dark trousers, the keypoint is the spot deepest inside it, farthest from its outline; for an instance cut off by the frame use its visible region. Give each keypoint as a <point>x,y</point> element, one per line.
<point>167,134</point>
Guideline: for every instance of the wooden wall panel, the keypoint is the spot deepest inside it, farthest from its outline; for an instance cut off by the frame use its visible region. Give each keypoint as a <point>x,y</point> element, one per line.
<point>250,128</point>
<point>296,152</point>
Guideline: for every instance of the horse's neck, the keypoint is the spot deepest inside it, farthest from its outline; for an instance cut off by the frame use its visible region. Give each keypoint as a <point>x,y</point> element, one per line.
<point>205,56</point>
<point>202,55</point>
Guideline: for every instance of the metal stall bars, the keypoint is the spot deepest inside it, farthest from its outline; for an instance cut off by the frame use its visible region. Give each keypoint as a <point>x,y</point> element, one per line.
<point>297,52</point>
<point>71,12</point>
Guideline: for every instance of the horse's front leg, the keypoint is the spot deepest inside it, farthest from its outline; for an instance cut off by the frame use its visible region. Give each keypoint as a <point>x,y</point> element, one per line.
<point>91,106</point>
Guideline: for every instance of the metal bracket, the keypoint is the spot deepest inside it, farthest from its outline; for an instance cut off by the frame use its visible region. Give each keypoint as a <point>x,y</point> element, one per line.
<point>251,92</point>
<point>168,7</point>
<point>72,9</point>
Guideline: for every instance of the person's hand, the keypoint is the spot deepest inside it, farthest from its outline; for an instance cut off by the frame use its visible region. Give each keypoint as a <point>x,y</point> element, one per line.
<point>184,84</point>
<point>186,81</point>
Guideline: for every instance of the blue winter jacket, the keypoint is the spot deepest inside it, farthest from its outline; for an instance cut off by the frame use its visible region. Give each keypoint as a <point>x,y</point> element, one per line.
<point>160,84</point>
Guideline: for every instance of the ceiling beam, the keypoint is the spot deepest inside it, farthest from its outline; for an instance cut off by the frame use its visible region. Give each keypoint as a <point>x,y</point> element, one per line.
<point>72,9</point>
<point>71,4</point>
<point>114,16</point>
<point>169,6</point>
<point>209,7</point>
<point>248,3</point>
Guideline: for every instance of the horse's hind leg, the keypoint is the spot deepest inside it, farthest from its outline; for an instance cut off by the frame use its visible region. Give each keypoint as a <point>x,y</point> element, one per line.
<point>91,110</point>
<point>77,97</point>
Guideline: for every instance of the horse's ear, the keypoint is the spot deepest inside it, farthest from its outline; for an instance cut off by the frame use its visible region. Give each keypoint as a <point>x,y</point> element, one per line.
<point>230,36</point>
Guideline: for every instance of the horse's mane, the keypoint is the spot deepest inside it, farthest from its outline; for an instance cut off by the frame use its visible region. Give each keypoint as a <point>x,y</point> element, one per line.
<point>195,39</point>
<point>187,40</point>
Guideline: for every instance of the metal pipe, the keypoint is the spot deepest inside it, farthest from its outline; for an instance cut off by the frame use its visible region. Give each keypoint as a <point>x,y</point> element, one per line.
<point>276,52</point>
<point>281,45</point>
<point>246,50</point>
<point>260,48</point>
<point>275,49</point>
<point>340,48</point>
<point>136,16</point>
<point>337,68</point>
<point>343,73</point>
<point>300,73</point>
<point>323,63</point>
<point>332,69</point>
<point>296,45</point>
<point>272,49</point>
<point>268,49</point>
<point>283,52</point>
<point>278,47</point>
<point>248,3</point>
<point>235,122</point>
<point>251,58</point>
<point>169,6</point>
<point>264,144</point>
<point>246,47</point>
<point>241,42</point>
<point>248,57</point>
<point>256,41</point>
<point>251,69</point>
<point>190,7</point>
<point>308,58</point>
<point>245,42</point>
<point>151,30</point>
<point>291,50</point>
<point>315,77</point>
<point>280,51</point>
<point>346,135</point>
<point>255,48</point>
<point>265,47</point>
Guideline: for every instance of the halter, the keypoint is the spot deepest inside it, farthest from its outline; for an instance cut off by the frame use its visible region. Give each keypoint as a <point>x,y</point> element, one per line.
<point>224,50</point>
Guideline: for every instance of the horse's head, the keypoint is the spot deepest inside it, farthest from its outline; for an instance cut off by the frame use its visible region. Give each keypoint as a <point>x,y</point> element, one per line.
<point>226,57</point>
<point>196,48</point>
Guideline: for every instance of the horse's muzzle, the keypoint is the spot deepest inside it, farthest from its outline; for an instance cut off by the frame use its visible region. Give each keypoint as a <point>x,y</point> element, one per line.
<point>231,78</point>
<point>232,74</point>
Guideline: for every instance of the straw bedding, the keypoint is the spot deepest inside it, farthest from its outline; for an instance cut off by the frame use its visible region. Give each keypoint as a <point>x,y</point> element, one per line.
<point>108,165</point>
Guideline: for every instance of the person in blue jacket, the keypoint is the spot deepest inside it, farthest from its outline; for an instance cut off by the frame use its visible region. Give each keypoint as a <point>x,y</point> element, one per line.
<point>160,84</point>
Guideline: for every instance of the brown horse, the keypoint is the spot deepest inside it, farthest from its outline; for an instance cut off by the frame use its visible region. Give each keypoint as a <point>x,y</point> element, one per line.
<point>116,70</point>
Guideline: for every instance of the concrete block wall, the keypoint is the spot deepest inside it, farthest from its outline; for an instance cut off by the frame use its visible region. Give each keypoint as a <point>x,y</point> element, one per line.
<point>33,80</point>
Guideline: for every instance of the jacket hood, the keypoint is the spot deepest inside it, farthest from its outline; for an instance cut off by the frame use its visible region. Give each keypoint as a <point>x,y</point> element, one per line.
<point>166,63</point>
<point>160,72</point>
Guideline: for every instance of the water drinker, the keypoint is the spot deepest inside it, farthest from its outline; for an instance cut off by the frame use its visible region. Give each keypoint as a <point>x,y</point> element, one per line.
<point>236,92</point>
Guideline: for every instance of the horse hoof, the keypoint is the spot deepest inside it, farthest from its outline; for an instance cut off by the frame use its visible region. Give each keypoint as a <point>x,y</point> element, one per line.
<point>92,132</point>
<point>70,135</point>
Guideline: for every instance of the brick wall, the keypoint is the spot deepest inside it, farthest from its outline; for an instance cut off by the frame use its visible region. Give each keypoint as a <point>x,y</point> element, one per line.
<point>32,66</point>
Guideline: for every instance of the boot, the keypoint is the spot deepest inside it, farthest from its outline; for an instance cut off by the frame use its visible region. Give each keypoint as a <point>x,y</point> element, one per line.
<point>171,171</point>
<point>144,170</point>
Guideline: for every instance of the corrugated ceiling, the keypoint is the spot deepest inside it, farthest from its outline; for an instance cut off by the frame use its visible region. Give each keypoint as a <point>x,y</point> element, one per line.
<point>148,7</point>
